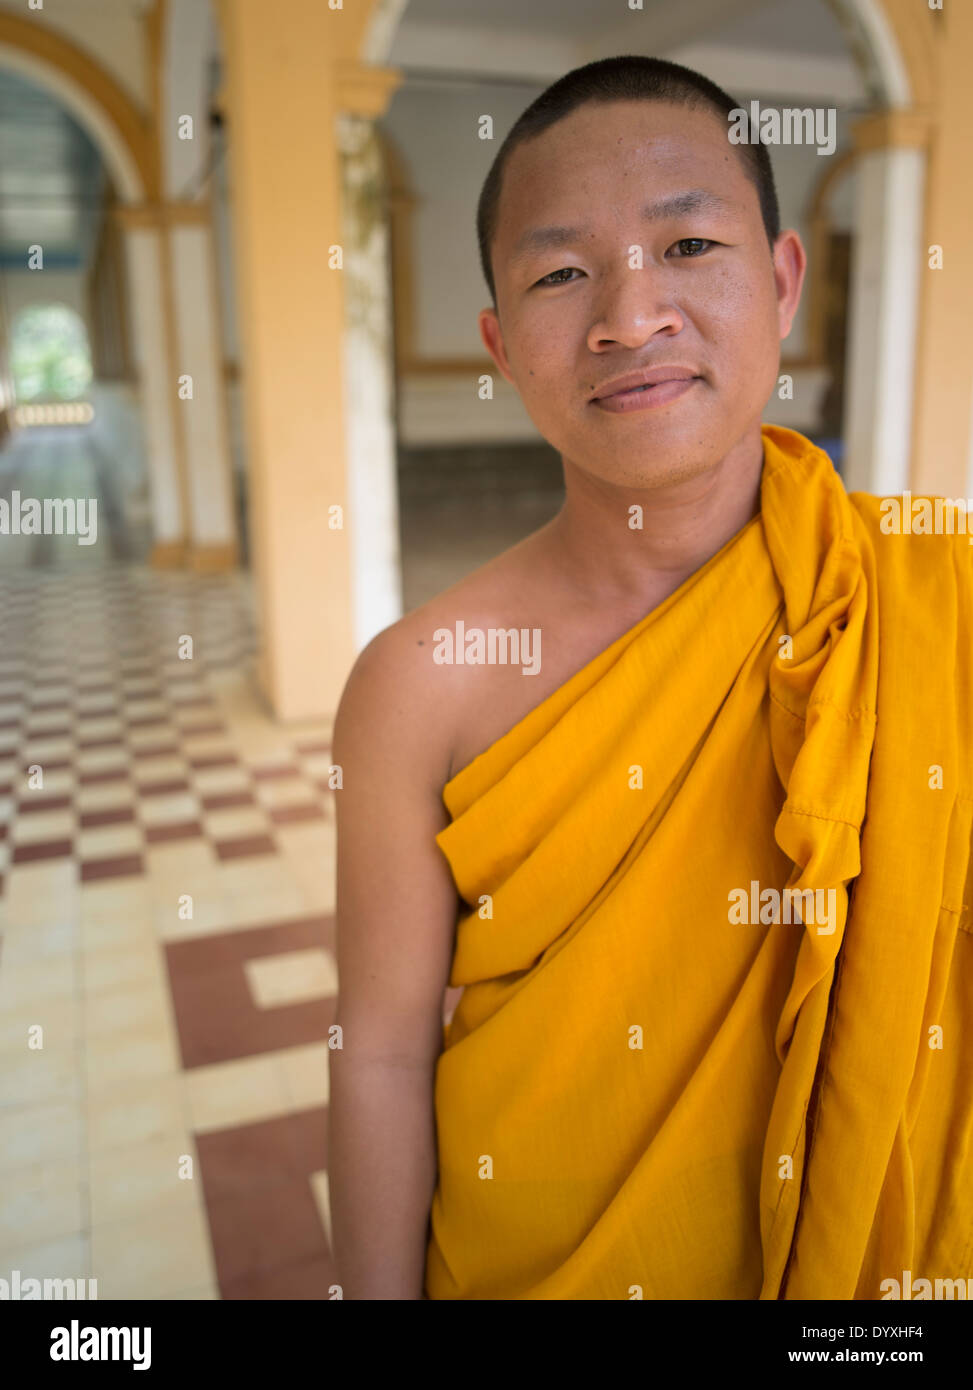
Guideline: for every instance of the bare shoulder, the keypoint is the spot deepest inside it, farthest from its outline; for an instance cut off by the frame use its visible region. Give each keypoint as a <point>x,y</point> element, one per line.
<point>395,738</point>
<point>399,697</point>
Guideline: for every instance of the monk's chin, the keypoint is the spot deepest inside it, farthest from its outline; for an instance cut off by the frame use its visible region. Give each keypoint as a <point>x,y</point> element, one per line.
<point>650,469</point>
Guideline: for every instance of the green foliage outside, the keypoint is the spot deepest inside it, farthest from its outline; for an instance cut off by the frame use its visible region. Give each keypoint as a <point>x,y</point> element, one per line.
<point>49,355</point>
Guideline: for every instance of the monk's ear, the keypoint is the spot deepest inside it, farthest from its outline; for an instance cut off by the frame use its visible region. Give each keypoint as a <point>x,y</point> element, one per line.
<point>492,335</point>
<point>790,263</point>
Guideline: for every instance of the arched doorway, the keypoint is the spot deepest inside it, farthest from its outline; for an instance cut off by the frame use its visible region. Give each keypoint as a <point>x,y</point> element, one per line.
<point>50,355</point>
<point>113,123</point>
<point>121,136</point>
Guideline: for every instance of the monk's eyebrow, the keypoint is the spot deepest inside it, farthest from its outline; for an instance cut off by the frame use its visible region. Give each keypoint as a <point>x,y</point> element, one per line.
<point>695,200</point>
<point>663,209</point>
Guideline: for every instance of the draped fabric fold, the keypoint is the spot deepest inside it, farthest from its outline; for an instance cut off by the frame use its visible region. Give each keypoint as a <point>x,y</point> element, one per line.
<point>644,1093</point>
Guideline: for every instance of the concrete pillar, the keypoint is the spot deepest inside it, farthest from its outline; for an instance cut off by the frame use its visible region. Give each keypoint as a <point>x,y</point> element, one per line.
<point>146,263</point>
<point>181,45</point>
<point>885,293</point>
<point>284,88</point>
<point>944,376</point>
<point>373,521</point>
<point>199,354</point>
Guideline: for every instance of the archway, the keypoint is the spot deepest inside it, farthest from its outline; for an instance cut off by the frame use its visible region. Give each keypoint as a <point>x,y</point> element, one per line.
<point>124,137</point>
<point>118,129</point>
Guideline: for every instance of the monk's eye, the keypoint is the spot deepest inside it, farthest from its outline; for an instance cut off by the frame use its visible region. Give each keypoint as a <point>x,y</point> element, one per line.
<point>552,278</point>
<point>691,246</point>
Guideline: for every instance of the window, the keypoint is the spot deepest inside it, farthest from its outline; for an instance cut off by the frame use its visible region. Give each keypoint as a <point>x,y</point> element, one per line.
<point>50,359</point>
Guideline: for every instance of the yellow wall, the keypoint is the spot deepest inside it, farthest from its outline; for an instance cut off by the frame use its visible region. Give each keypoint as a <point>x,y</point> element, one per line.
<point>281,107</point>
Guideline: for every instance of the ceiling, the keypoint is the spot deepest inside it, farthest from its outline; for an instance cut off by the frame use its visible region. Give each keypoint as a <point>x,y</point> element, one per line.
<point>805,26</point>
<point>52,180</point>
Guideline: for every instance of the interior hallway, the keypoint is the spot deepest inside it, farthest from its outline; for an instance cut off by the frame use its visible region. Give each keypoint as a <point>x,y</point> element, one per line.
<point>73,462</point>
<point>164,1035</point>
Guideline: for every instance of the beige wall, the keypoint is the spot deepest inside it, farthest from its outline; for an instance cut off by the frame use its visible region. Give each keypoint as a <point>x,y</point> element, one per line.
<point>942,443</point>
<point>109,31</point>
<point>26,287</point>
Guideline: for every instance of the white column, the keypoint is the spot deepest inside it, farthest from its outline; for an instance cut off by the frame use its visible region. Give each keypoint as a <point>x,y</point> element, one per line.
<point>144,253</point>
<point>212,527</point>
<point>887,262</point>
<point>372,518</point>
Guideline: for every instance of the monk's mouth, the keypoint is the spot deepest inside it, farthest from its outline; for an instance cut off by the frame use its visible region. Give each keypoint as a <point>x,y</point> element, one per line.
<point>646,397</point>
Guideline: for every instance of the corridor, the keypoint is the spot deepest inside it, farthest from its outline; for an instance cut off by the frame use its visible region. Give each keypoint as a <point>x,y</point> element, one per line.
<point>166,879</point>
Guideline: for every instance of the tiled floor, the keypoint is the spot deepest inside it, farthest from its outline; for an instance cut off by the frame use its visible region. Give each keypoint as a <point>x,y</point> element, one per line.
<point>166,967</point>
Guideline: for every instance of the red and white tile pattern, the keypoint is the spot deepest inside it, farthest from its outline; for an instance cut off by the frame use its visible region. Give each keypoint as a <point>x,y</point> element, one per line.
<point>166,898</point>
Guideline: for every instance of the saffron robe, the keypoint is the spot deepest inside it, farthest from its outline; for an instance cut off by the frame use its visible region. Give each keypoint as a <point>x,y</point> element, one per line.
<point>639,1097</point>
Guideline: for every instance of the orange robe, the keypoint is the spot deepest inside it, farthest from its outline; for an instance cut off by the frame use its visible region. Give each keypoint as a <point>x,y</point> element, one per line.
<point>641,1095</point>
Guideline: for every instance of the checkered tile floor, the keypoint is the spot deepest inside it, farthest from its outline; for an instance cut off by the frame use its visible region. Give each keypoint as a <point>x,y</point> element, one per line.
<point>125,746</point>
<point>166,898</point>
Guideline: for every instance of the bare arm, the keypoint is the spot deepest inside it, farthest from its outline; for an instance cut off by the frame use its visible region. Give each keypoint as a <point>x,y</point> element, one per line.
<point>396,914</point>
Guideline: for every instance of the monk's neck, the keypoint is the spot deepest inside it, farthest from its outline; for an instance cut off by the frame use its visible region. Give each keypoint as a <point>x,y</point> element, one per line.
<point>636,546</point>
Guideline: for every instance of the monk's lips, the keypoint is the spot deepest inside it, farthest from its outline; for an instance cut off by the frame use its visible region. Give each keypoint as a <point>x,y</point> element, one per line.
<point>646,397</point>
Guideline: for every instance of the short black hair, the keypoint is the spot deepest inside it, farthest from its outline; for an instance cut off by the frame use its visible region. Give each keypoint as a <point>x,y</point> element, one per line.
<point>627,78</point>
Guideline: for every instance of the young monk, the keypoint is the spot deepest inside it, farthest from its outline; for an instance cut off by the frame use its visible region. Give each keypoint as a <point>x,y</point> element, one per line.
<point>657,1083</point>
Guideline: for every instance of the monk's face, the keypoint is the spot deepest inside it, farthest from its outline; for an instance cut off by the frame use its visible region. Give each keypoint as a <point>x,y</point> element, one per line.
<point>707,302</point>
